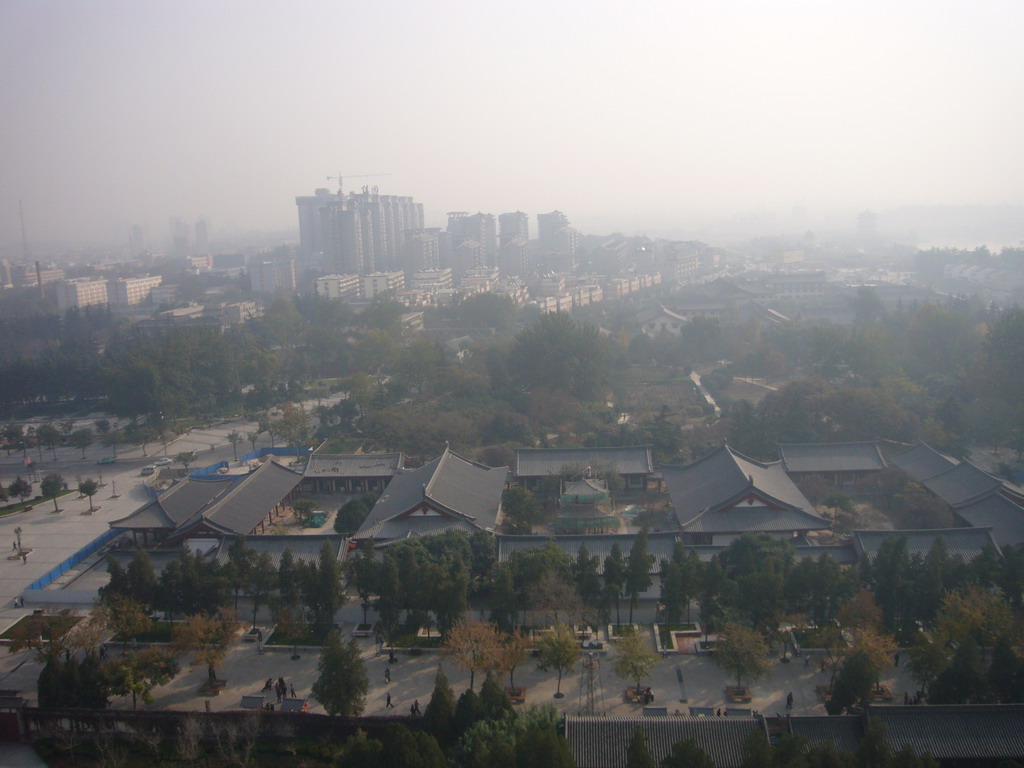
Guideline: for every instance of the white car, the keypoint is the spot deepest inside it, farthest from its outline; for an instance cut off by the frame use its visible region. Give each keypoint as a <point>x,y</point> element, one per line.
<point>163,462</point>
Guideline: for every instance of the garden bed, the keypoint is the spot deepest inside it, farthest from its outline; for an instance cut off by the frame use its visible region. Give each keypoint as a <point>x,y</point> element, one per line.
<point>738,693</point>
<point>617,631</point>
<point>36,626</point>
<point>363,630</point>
<point>159,632</point>
<point>313,635</point>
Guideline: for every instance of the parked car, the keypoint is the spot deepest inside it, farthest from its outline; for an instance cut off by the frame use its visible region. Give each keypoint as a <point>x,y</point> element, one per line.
<point>108,460</point>
<point>163,462</point>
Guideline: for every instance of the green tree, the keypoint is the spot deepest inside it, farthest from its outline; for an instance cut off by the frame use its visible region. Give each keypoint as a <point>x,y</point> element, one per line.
<point>964,681</point>
<point>557,353</point>
<point>342,684</point>
<point>474,646</point>
<point>521,509</point>
<point>88,488</point>
<point>351,515</point>
<point>559,651</point>
<point>853,684</point>
<point>304,509</point>
<point>614,578</point>
<point>638,756</point>
<point>235,437</point>
<point>186,458</point>
<point>51,486</point>
<point>137,674</point>
<point>541,746</point>
<point>209,636</point>
<point>439,716</point>
<point>742,652</point>
<point>81,438</point>
<point>687,754</point>
<point>638,570</point>
<point>263,581</point>
<point>20,488</point>
<point>50,436</point>
<point>325,591</point>
<point>633,660</point>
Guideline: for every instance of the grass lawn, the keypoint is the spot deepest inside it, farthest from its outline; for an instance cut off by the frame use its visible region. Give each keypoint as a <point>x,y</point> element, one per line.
<point>665,632</point>
<point>12,508</point>
<point>342,445</point>
<point>314,634</point>
<point>159,632</point>
<point>34,626</point>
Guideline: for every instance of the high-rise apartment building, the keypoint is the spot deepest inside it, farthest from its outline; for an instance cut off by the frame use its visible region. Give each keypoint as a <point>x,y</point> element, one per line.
<point>478,227</point>
<point>362,233</point>
<point>272,276</point>
<point>557,241</point>
<point>513,243</point>
<point>422,249</point>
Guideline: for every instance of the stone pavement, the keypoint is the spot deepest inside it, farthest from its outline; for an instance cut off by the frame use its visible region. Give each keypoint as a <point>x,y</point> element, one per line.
<point>412,678</point>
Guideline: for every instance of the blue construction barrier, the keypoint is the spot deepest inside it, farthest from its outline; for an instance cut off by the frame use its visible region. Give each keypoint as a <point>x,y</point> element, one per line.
<point>280,450</point>
<point>47,578</point>
<point>210,470</point>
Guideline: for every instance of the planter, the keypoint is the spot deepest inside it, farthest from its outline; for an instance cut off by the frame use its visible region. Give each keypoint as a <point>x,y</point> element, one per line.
<point>363,630</point>
<point>516,695</point>
<point>618,631</point>
<point>738,693</point>
<point>212,687</point>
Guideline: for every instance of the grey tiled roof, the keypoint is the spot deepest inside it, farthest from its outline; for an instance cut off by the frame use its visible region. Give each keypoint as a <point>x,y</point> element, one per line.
<point>177,504</point>
<point>965,543</point>
<point>922,461</point>
<point>967,732</point>
<point>354,464</point>
<point>412,527</point>
<point>754,520</point>
<point>659,544</point>
<point>249,501</point>
<point>1005,518</point>
<point>305,549</point>
<point>456,487</point>
<point>843,732</point>
<point>831,457</point>
<point>542,462</point>
<point>722,478</point>
<point>602,742</point>
<point>962,484</point>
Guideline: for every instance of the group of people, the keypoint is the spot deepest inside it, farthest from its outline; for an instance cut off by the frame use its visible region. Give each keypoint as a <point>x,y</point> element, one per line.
<point>279,687</point>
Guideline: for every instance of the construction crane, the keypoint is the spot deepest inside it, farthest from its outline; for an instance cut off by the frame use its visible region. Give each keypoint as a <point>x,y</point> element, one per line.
<point>341,178</point>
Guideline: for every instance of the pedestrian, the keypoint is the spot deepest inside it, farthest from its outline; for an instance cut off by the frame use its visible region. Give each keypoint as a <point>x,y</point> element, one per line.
<point>269,685</point>
<point>789,701</point>
<point>24,558</point>
<point>103,652</point>
<point>896,660</point>
<point>719,712</point>
<point>14,546</point>
<point>387,702</point>
<point>416,706</point>
<point>291,690</point>
<point>387,675</point>
<point>906,699</point>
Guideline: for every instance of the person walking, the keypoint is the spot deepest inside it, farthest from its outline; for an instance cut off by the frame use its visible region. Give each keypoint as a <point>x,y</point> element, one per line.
<point>291,691</point>
<point>789,701</point>
<point>387,675</point>
<point>387,702</point>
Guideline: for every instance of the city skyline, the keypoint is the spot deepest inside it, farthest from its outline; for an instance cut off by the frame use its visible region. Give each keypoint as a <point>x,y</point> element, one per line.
<point>654,118</point>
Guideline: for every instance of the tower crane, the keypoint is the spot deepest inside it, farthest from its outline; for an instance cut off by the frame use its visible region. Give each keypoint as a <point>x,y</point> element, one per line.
<point>341,178</point>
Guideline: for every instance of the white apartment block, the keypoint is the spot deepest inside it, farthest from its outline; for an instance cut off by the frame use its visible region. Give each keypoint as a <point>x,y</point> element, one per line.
<point>80,292</point>
<point>130,291</point>
<point>382,282</point>
<point>337,286</point>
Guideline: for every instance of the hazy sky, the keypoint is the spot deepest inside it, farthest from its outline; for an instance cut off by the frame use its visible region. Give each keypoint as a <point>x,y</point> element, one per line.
<point>626,116</point>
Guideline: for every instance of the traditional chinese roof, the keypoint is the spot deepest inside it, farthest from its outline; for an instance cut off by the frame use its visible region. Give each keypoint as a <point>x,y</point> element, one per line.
<point>922,461</point>
<point>964,543</point>
<point>660,545</point>
<point>354,465</point>
<point>450,486</point>
<point>831,457</point>
<point>1004,517</point>
<point>962,484</point>
<point>844,733</point>
<point>708,496</point>
<point>247,503</point>
<point>544,462</point>
<point>177,504</point>
<point>965,732</point>
<point>602,742</point>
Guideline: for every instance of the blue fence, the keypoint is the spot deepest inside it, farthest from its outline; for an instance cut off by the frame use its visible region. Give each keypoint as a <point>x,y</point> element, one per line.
<point>210,470</point>
<point>47,578</point>
<point>281,450</point>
